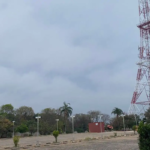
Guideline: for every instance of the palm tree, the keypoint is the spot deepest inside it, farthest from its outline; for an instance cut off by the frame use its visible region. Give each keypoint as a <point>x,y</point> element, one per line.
<point>117,111</point>
<point>66,110</point>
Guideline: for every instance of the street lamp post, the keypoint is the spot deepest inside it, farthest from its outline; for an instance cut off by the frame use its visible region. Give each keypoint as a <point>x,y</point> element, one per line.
<point>38,117</point>
<point>123,124</point>
<point>57,123</point>
<point>73,126</point>
<point>100,123</point>
<point>13,128</point>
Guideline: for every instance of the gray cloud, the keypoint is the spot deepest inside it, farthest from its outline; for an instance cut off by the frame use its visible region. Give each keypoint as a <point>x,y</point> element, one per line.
<point>82,52</point>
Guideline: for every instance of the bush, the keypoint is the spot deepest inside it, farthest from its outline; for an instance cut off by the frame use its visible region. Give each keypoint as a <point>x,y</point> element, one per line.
<point>55,134</point>
<point>22,128</point>
<point>80,130</point>
<point>16,140</point>
<point>144,136</point>
<point>134,128</point>
<point>87,139</point>
<point>115,134</point>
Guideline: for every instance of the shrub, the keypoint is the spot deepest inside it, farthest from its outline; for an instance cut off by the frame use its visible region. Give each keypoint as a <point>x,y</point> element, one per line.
<point>80,130</point>
<point>144,136</point>
<point>87,139</point>
<point>115,134</point>
<point>22,128</point>
<point>16,140</point>
<point>134,128</point>
<point>55,134</point>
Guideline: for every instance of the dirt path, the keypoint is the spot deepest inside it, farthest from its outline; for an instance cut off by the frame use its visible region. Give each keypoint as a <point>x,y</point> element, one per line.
<point>120,143</point>
<point>115,143</point>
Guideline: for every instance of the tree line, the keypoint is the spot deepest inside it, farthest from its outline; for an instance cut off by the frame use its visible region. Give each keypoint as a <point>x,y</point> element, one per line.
<point>25,120</point>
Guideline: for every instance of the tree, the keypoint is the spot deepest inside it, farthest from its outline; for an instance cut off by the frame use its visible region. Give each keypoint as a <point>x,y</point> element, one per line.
<point>24,113</point>
<point>81,122</point>
<point>117,123</point>
<point>45,128</point>
<point>31,126</point>
<point>22,128</point>
<point>66,110</point>
<point>49,112</point>
<point>106,118</point>
<point>94,114</point>
<point>130,120</point>
<point>7,110</point>
<point>147,115</point>
<point>144,136</point>
<point>116,111</point>
<point>5,127</point>
<point>134,128</point>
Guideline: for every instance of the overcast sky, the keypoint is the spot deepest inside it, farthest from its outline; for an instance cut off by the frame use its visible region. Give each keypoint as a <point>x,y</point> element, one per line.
<point>83,52</point>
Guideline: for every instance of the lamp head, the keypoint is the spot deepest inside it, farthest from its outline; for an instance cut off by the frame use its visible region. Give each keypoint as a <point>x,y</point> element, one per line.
<point>101,115</point>
<point>38,117</point>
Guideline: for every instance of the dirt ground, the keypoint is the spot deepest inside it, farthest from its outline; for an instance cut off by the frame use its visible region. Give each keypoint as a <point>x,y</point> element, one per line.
<point>115,143</point>
<point>119,143</point>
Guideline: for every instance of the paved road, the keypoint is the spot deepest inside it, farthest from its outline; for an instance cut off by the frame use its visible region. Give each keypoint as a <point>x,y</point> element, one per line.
<point>50,138</point>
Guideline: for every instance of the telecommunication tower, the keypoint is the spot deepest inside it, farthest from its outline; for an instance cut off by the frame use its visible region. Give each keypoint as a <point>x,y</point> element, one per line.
<point>139,103</point>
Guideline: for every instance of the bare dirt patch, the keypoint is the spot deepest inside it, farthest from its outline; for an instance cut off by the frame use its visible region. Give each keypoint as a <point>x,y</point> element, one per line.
<point>119,143</point>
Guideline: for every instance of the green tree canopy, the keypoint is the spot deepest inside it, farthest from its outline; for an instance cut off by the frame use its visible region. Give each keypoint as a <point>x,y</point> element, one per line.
<point>66,110</point>
<point>24,113</point>
<point>7,109</point>
<point>32,126</point>
<point>81,122</point>
<point>117,111</point>
<point>22,128</point>
<point>48,111</point>
<point>147,115</point>
<point>5,127</point>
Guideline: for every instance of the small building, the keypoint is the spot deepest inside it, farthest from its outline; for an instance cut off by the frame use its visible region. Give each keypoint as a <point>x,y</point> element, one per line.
<point>96,127</point>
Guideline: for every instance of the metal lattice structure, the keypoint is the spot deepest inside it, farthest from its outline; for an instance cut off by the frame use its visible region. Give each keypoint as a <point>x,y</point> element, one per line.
<point>143,75</point>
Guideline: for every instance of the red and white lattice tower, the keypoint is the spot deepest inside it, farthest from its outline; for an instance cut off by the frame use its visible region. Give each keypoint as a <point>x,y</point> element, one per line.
<point>139,103</point>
